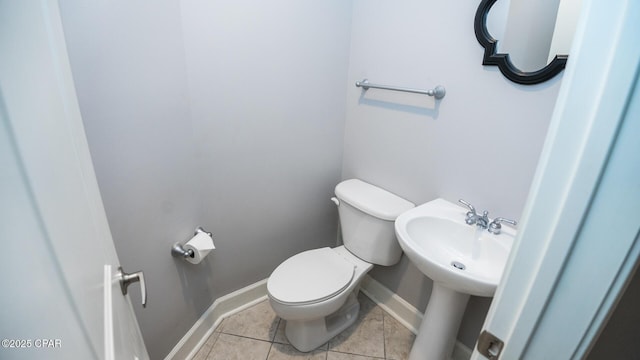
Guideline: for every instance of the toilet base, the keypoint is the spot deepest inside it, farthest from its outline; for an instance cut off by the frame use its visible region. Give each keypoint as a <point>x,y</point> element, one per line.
<point>307,335</point>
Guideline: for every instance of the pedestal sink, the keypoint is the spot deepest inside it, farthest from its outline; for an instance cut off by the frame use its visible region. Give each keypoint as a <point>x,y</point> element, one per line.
<point>461,260</point>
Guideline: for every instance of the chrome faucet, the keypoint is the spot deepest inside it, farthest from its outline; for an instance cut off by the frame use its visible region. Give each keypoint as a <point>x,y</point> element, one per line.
<point>471,216</point>
<point>495,226</point>
<point>483,221</point>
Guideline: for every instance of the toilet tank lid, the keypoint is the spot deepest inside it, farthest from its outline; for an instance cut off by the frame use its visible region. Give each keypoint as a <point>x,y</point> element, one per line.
<point>372,200</point>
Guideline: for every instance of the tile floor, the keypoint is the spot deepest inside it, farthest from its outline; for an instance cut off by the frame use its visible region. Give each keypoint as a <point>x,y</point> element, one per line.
<point>257,333</point>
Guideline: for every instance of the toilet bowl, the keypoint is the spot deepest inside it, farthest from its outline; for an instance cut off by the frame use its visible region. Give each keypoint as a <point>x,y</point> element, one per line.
<point>315,291</point>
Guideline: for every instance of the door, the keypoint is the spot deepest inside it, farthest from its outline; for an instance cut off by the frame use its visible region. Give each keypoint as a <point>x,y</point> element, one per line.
<point>60,294</point>
<point>580,235</point>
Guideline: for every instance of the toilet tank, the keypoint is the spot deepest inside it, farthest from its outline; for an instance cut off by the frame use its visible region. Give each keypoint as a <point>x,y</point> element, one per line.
<point>367,216</point>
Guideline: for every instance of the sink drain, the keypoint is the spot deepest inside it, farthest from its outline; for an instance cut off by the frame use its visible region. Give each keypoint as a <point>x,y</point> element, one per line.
<point>458,265</point>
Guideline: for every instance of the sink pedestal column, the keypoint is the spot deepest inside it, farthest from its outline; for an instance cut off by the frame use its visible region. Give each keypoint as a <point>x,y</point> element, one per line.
<point>439,328</point>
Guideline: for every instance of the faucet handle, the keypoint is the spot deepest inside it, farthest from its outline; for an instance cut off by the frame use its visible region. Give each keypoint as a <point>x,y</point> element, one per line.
<point>472,216</point>
<point>495,226</point>
<point>467,204</point>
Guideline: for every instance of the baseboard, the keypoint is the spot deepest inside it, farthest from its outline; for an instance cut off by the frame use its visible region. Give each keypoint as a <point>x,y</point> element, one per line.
<point>222,307</point>
<point>248,296</point>
<point>393,304</point>
<point>404,312</point>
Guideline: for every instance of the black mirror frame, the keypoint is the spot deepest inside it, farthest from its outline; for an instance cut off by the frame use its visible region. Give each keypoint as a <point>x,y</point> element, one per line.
<point>502,61</point>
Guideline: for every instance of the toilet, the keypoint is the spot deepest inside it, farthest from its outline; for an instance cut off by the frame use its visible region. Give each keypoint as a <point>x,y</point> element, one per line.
<point>316,291</point>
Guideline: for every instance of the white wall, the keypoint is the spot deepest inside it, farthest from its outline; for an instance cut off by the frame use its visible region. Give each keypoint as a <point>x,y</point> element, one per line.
<point>226,114</point>
<point>480,143</point>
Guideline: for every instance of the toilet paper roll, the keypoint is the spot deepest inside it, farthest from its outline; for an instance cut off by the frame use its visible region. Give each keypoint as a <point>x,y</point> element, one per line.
<point>201,244</point>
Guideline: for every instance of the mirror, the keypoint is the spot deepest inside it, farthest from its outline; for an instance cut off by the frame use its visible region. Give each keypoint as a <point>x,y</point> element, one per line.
<point>534,36</point>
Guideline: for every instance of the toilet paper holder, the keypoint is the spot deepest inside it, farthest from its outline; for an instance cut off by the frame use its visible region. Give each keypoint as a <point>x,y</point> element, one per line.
<point>178,251</point>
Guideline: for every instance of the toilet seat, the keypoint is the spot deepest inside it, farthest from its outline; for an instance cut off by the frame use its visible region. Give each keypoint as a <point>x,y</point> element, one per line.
<point>309,277</point>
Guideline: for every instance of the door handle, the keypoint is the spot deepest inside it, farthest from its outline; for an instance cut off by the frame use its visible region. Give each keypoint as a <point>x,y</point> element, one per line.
<point>128,279</point>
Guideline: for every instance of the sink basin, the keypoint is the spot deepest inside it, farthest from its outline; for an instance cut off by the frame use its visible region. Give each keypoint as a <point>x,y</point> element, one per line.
<point>461,259</point>
<point>465,258</point>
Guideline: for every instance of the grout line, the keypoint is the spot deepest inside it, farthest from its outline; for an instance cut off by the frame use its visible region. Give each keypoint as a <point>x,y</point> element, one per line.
<point>212,345</point>
<point>243,336</point>
<point>269,352</point>
<point>384,339</point>
<point>326,353</point>
<point>275,333</point>
<point>362,355</point>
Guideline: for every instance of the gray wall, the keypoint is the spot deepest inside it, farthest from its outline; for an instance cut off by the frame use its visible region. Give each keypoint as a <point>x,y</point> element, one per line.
<point>231,115</point>
<point>198,113</point>
<point>266,82</point>
<point>480,143</point>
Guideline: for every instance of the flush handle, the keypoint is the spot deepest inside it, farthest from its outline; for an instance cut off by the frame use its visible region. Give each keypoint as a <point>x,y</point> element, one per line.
<point>128,279</point>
